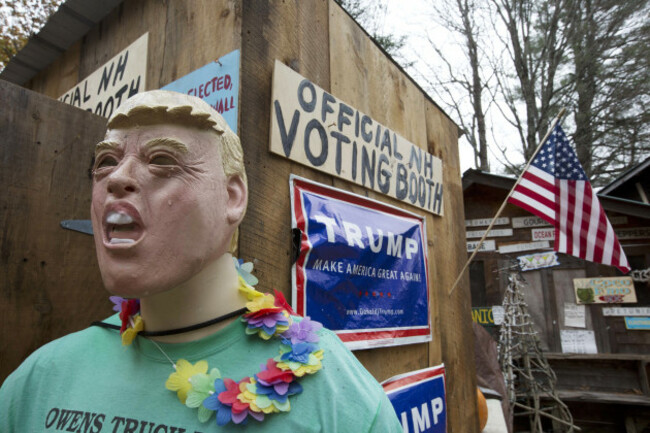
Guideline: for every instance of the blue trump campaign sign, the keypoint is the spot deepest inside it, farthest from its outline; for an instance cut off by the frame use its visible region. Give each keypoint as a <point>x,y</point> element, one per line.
<point>217,83</point>
<point>419,399</point>
<point>362,267</point>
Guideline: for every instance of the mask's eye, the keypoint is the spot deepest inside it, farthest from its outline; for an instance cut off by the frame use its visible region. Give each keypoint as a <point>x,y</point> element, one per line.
<point>162,160</point>
<point>106,161</point>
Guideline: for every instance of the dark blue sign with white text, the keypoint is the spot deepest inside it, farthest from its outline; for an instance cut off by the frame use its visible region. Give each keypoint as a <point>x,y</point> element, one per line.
<point>419,400</point>
<point>362,267</point>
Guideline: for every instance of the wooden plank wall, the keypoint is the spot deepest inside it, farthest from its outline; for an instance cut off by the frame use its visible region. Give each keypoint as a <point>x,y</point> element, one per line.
<point>352,68</point>
<point>49,278</point>
<point>321,42</point>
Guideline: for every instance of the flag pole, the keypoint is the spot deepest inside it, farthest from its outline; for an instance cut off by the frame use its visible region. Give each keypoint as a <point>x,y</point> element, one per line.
<point>505,201</point>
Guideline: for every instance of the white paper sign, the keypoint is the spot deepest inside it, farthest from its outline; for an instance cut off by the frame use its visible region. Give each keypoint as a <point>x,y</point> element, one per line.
<point>113,83</point>
<point>543,234</point>
<point>316,129</point>
<point>578,341</point>
<point>493,233</point>
<point>479,222</point>
<point>513,248</point>
<point>488,245</point>
<point>498,313</point>
<point>529,221</point>
<point>574,315</point>
<point>626,311</point>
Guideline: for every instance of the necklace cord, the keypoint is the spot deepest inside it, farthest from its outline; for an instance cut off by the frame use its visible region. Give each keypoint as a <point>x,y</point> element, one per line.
<point>177,330</point>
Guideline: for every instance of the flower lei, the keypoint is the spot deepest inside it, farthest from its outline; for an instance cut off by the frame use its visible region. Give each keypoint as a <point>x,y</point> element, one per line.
<point>262,394</point>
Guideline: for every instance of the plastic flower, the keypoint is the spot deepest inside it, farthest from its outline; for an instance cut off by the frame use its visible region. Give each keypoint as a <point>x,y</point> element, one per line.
<point>117,302</point>
<point>129,308</point>
<point>280,301</point>
<point>180,380</point>
<point>303,331</point>
<point>270,374</point>
<point>239,410</point>
<point>244,270</point>
<point>249,291</point>
<point>264,303</point>
<point>288,360</point>
<point>202,388</point>
<point>267,325</point>
<point>130,332</point>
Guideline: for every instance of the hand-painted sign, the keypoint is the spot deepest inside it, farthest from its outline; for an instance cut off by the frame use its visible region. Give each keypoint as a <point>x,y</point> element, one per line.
<point>626,311</point>
<point>113,83</point>
<point>478,222</point>
<point>604,290</point>
<point>493,233</point>
<point>312,127</point>
<point>530,262</point>
<point>545,234</point>
<point>637,323</point>
<point>362,267</point>
<point>488,245</point>
<point>217,83</point>
<point>419,399</point>
<point>633,233</point>
<point>528,221</point>
<point>483,316</point>
<point>526,246</point>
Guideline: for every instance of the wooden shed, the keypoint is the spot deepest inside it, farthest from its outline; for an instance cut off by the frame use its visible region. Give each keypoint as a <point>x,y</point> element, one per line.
<point>50,283</point>
<point>599,355</point>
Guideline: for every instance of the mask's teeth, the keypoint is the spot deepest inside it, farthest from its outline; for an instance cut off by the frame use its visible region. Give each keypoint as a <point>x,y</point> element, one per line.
<point>121,241</point>
<point>119,218</point>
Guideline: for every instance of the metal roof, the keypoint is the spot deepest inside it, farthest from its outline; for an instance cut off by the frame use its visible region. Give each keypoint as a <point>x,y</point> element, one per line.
<point>68,24</point>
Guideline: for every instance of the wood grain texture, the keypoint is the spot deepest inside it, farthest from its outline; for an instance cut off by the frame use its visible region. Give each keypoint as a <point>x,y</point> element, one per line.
<point>50,283</point>
<point>295,33</point>
<point>364,78</point>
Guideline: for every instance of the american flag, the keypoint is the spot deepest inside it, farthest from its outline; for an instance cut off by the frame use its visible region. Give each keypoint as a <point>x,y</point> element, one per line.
<point>556,188</point>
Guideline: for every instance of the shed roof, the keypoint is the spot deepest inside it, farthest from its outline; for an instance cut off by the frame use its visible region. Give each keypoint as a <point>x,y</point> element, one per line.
<point>68,24</point>
<point>610,203</point>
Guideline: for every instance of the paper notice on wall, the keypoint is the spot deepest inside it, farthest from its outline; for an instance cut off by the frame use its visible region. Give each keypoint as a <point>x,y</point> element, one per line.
<point>498,313</point>
<point>578,341</point>
<point>574,315</point>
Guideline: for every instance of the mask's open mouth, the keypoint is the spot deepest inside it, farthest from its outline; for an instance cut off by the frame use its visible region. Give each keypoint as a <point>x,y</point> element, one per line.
<point>121,228</point>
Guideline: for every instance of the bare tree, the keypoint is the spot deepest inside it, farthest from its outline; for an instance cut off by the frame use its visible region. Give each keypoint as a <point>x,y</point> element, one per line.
<point>462,86</point>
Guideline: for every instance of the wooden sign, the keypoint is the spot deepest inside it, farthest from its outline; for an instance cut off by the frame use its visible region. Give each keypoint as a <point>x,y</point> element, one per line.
<point>633,233</point>
<point>478,222</point>
<point>545,234</point>
<point>605,290</point>
<point>113,83</point>
<point>488,245</point>
<point>312,127</point>
<point>528,246</point>
<point>493,233</point>
<point>626,311</point>
<point>529,221</point>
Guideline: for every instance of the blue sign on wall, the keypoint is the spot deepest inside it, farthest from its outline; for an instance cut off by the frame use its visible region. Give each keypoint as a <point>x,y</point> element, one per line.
<point>362,267</point>
<point>217,83</point>
<point>419,400</point>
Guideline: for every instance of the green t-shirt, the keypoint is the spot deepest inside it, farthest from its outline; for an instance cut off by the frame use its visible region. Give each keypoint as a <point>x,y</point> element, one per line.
<point>87,382</point>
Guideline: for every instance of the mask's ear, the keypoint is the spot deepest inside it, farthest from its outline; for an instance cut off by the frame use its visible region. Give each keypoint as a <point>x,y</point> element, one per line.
<point>237,199</point>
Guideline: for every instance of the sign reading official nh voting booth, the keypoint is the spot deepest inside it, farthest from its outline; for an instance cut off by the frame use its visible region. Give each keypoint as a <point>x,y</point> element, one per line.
<point>312,127</point>
<point>362,267</point>
<point>103,91</point>
<point>419,400</point>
